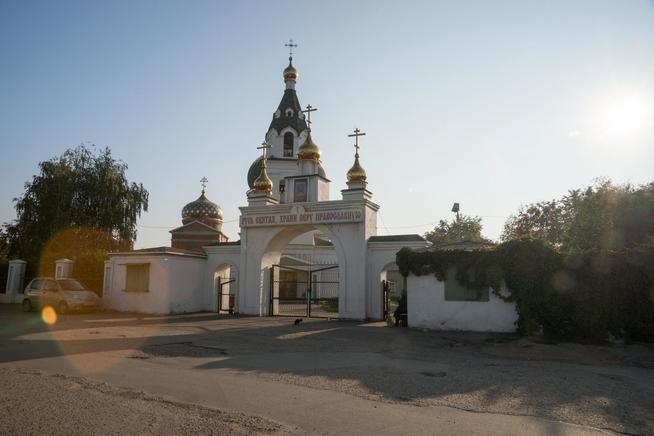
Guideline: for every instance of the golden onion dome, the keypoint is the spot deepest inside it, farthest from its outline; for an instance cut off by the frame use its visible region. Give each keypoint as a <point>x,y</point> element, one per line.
<point>309,150</point>
<point>356,174</point>
<point>263,182</point>
<point>290,73</point>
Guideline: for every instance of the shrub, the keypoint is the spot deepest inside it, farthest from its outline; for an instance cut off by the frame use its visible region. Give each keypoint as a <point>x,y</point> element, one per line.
<point>583,295</point>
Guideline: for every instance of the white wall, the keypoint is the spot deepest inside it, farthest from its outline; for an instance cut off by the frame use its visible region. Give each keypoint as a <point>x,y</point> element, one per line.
<point>427,308</point>
<point>176,285</point>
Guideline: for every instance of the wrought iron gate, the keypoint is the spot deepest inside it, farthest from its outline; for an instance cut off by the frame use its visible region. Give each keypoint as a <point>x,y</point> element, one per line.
<point>225,297</point>
<point>386,298</point>
<point>304,291</point>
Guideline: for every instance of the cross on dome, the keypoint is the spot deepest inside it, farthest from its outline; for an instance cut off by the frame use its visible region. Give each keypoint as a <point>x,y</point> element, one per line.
<point>356,176</point>
<point>291,45</point>
<point>263,147</point>
<point>356,135</point>
<point>203,182</point>
<point>308,111</point>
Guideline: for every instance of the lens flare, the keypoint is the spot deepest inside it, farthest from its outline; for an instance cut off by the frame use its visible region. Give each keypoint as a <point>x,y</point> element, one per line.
<point>48,315</point>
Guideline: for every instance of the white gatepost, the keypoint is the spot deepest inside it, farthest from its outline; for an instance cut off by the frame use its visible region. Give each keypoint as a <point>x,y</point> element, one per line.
<point>106,282</point>
<point>64,268</point>
<point>15,278</point>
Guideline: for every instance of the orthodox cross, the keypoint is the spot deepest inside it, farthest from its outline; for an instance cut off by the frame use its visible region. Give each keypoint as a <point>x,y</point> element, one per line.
<point>290,46</point>
<point>264,146</point>
<point>356,135</point>
<point>308,111</point>
<point>203,182</point>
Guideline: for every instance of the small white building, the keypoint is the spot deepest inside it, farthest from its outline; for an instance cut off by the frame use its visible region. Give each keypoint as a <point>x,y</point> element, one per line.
<point>449,305</point>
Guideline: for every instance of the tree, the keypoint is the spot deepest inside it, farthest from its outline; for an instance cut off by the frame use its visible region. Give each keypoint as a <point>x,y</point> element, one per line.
<point>600,217</point>
<point>84,195</point>
<point>466,228</point>
<point>544,221</point>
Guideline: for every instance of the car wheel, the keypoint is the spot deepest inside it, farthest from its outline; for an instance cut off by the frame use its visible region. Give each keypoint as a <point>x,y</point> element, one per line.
<point>62,308</point>
<point>27,306</point>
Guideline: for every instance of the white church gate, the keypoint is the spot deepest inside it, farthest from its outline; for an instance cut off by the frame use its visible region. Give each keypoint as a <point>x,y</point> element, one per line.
<point>304,291</point>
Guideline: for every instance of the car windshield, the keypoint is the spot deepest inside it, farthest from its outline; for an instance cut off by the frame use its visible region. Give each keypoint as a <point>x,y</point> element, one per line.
<point>71,285</point>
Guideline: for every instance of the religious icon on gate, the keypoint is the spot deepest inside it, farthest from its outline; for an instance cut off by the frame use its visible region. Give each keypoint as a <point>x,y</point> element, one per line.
<point>300,190</point>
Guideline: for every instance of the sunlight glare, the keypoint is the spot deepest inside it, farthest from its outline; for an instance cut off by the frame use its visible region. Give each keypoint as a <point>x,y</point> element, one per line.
<point>48,315</point>
<point>624,117</point>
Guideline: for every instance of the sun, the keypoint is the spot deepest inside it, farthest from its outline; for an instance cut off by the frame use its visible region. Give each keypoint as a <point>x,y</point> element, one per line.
<point>625,116</point>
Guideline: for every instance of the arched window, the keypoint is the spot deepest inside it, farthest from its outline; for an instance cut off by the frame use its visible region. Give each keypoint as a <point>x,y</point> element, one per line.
<point>288,144</point>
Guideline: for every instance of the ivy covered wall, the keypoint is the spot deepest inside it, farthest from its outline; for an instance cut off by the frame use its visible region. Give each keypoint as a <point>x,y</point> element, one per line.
<point>585,294</point>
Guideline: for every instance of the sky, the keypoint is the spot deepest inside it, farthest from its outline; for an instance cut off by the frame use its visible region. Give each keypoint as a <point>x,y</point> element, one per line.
<point>490,104</point>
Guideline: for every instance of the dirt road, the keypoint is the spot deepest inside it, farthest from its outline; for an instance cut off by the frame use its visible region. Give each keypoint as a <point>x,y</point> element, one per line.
<point>201,373</point>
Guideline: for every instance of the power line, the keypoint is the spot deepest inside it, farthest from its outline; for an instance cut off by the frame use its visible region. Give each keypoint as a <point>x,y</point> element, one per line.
<point>383,223</point>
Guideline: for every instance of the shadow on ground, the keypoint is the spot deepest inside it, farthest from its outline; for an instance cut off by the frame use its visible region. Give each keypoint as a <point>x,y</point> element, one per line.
<point>604,387</point>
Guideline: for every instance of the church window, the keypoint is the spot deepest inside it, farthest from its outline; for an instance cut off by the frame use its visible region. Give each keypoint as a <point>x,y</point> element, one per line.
<point>288,144</point>
<point>289,113</point>
<point>455,291</point>
<point>137,278</point>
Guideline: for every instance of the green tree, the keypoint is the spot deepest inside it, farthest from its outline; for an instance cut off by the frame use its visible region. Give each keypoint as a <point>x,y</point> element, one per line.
<point>601,217</point>
<point>84,195</point>
<point>466,228</point>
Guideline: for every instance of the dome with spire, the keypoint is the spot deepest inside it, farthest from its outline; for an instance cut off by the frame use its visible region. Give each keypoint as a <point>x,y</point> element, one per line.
<point>290,73</point>
<point>309,150</point>
<point>202,210</point>
<point>356,174</point>
<point>289,111</point>
<point>263,182</point>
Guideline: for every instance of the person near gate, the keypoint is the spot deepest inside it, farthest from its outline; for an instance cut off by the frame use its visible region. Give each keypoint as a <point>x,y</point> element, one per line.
<point>400,313</point>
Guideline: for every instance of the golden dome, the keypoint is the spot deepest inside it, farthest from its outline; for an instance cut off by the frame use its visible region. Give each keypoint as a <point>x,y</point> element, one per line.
<point>356,174</point>
<point>309,150</point>
<point>290,73</point>
<point>263,182</point>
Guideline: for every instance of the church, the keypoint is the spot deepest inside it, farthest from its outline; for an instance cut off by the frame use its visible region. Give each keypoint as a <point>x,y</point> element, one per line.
<point>302,252</point>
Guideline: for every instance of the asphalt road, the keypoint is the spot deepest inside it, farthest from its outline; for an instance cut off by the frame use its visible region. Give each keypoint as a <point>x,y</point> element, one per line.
<point>207,374</point>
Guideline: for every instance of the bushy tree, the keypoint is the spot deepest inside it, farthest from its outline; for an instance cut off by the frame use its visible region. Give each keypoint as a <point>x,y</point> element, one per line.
<point>84,195</point>
<point>466,228</point>
<point>601,217</point>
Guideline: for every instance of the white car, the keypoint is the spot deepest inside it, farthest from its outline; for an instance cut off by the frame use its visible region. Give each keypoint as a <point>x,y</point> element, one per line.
<point>63,295</point>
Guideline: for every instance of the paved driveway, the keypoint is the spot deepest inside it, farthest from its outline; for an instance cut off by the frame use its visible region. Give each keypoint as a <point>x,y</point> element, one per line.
<point>205,373</point>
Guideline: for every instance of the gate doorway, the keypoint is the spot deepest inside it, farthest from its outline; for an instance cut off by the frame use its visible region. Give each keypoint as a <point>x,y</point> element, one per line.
<point>226,294</point>
<point>304,291</point>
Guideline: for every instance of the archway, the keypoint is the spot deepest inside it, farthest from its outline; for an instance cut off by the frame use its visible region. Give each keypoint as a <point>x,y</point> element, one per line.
<point>264,248</point>
<point>225,288</point>
<point>304,272</point>
<point>305,282</point>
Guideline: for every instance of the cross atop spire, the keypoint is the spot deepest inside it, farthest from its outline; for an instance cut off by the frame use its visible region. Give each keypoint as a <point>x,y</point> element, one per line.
<point>263,147</point>
<point>203,182</point>
<point>308,111</point>
<point>356,135</point>
<point>291,45</point>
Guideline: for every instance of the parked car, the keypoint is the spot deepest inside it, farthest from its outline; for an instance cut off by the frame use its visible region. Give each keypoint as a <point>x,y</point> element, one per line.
<point>62,294</point>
